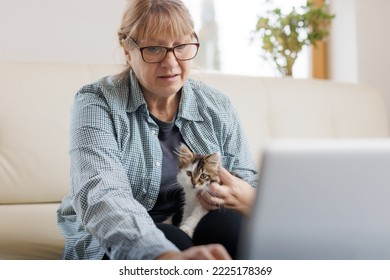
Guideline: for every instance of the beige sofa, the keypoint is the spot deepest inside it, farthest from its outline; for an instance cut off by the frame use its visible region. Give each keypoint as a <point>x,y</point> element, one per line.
<point>34,119</point>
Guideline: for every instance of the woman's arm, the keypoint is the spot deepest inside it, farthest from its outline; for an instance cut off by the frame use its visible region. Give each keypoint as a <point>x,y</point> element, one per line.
<point>234,192</point>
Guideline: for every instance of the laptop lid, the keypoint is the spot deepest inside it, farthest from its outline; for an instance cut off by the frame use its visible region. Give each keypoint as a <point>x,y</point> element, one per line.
<point>321,200</point>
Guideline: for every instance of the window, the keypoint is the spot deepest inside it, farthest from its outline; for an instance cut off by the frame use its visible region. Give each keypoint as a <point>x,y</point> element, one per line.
<point>226,30</point>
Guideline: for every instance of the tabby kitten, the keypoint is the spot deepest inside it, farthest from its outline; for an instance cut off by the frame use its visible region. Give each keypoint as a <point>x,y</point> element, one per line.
<point>196,172</point>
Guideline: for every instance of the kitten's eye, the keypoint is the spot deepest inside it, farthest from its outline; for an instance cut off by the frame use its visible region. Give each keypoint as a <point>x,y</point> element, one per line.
<point>189,173</point>
<point>204,176</point>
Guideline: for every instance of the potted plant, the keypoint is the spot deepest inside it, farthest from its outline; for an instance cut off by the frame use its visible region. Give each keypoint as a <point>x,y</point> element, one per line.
<point>283,35</point>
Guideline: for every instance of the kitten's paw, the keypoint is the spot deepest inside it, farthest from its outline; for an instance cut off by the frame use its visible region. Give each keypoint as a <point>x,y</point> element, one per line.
<point>188,230</point>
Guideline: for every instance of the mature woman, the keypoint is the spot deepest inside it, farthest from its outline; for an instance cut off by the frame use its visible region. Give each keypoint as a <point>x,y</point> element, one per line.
<point>124,132</point>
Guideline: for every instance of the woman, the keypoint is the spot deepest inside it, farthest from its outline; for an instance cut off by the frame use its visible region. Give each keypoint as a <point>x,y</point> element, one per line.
<point>124,131</point>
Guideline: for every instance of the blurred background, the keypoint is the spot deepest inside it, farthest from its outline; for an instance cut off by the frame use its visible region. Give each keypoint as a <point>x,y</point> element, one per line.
<point>84,31</point>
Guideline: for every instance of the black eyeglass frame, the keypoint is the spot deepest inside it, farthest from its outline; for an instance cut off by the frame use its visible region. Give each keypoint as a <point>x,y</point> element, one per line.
<point>172,49</point>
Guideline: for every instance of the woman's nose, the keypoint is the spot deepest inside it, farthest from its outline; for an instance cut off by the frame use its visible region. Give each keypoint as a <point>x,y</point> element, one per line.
<point>170,59</point>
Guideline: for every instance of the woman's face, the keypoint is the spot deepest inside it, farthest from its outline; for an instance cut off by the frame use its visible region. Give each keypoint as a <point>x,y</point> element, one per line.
<point>165,78</point>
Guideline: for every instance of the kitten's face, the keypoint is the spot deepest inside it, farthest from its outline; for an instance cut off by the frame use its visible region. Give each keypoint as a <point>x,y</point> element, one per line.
<point>197,171</point>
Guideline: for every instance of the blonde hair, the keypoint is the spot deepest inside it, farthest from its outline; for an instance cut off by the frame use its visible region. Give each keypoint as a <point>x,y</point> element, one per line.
<point>150,18</point>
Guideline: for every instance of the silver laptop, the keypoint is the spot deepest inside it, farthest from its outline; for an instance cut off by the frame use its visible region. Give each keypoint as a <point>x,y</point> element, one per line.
<point>320,200</point>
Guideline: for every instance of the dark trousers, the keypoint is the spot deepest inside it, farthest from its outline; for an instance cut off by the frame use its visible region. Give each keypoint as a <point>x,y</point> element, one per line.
<point>219,226</point>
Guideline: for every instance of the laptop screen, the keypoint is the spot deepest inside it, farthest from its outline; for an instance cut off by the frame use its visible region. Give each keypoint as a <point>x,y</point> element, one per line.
<point>325,199</point>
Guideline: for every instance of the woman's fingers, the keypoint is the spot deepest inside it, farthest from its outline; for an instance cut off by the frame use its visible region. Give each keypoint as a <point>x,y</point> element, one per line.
<point>204,252</point>
<point>225,176</point>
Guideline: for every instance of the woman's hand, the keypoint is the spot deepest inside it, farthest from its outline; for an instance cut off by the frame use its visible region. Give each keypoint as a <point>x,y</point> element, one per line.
<point>204,252</point>
<point>233,193</point>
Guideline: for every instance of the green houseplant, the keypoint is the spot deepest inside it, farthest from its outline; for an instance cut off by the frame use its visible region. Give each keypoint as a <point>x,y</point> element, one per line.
<point>283,35</point>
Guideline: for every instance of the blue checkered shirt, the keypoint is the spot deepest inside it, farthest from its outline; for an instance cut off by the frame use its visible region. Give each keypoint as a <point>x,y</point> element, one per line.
<point>116,164</point>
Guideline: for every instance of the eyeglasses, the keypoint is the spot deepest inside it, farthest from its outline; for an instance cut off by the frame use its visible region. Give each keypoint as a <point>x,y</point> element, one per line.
<point>156,54</point>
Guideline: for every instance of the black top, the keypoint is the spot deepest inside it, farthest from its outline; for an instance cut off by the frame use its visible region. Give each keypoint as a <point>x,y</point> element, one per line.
<point>170,194</point>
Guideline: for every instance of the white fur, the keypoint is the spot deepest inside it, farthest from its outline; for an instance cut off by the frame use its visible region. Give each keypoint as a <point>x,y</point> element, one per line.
<point>193,211</point>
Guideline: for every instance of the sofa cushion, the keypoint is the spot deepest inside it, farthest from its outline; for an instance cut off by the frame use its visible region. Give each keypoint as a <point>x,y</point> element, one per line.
<point>29,231</point>
<point>34,125</point>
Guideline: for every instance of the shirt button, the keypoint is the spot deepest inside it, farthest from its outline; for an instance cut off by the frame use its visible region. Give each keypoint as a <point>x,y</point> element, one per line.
<point>158,163</point>
<point>150,200</point>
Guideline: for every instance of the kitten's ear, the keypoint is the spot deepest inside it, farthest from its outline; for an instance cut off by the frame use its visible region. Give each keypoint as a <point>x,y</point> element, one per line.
<point>214,160</point>
<point>184,150</point>
<point>185,155</point>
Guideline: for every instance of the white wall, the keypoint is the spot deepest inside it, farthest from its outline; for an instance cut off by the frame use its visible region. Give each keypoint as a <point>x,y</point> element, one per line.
<point>71,31</point>
<point>359,44</point>
<point>373,44</point>
<point>343,62</point>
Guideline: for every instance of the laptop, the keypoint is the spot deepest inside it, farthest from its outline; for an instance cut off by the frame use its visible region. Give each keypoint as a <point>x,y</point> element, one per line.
<point>321,200</point>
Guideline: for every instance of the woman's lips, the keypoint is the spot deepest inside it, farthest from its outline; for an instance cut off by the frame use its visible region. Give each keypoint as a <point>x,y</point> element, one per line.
<point>168,77</point>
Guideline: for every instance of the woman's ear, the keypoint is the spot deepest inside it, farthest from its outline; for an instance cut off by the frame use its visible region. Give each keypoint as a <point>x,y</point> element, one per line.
<point>128,58</point>
<point>127,54</point>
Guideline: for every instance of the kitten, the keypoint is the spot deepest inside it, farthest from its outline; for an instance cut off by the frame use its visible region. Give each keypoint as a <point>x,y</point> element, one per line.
<point>196,173</point>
